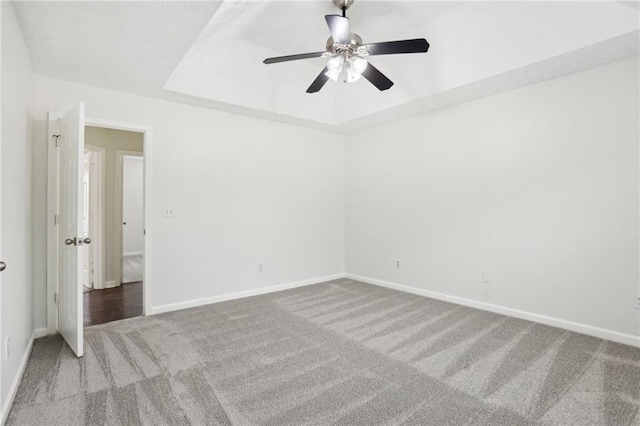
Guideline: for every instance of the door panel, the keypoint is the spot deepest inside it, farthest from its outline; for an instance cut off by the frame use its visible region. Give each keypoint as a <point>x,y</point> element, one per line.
<point>70,275</point>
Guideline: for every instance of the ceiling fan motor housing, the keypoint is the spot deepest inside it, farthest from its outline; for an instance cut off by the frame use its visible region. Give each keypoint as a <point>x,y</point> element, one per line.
<point>353,48</point>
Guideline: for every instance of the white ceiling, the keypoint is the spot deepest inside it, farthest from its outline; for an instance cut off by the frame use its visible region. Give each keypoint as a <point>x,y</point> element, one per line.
<point>210,53</point>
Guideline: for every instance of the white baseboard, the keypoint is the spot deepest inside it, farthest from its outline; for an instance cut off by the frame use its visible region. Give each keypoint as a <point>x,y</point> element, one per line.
<point>132,253</point>
<point>110,284</point>
<point>603,333</point>
<point>239,295</point>
<point>40,332</point>
<point>6,404</point>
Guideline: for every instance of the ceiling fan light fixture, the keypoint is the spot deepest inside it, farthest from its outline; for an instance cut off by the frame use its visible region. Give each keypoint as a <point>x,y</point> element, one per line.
<point>346,70</point>
<point>355,67</point>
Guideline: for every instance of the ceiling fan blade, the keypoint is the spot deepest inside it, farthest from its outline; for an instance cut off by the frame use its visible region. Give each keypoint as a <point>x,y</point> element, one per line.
<point>293,57</point>
<point>376,78</point>
<point>340,28</point>
<point>417,45</point>
<point>320,81</point>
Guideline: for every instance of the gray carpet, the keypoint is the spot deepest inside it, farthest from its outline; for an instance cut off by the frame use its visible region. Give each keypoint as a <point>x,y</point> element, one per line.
<point>132,268</point>
<point>341,352</point>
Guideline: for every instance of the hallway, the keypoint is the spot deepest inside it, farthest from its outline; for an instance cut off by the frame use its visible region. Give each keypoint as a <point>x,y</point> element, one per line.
<point>113,304</point>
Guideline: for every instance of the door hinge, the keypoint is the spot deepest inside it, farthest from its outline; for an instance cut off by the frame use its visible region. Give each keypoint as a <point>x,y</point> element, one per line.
<point>56,219</point>
<point>55,298</point>
<point>57,137</point>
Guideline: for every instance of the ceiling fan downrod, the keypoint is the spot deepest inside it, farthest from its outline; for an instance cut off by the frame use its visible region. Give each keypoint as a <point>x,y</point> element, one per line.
<point>343,5</point>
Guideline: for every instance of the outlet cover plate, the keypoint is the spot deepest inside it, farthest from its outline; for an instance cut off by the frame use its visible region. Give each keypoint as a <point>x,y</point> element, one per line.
<point>168,212</point>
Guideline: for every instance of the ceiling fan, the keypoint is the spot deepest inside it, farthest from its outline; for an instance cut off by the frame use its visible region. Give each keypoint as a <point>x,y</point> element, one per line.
<point>347,54</point>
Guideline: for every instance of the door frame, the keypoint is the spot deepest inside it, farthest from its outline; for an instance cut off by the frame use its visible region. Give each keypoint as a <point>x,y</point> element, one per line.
<point>119,216</point>
<point>52,208</point>
<point>98,188</point>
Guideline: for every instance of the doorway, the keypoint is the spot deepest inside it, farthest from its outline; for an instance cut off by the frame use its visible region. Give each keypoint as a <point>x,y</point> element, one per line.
<point>132,247</point>
<point>95,269</point>
<point>113,267</point>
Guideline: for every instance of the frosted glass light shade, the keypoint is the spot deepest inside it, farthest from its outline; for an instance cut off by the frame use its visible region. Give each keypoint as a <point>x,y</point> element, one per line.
<point>356,67</point>
<point>334,67</point>
<point>346,70</point>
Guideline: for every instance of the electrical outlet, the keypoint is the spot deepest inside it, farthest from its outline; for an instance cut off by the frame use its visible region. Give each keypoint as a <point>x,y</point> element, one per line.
<point>486,277</point>
<point>638,301</point>
<point>7,348</point>
<point>398,264</point>
<point>167,212</point>
<point>260,267</point>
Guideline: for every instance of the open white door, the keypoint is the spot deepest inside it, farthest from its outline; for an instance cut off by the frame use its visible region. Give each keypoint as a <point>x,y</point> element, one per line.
<point>71,205</point>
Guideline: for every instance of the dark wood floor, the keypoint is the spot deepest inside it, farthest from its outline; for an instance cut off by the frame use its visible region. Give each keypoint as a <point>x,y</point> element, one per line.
<point>112,304</point>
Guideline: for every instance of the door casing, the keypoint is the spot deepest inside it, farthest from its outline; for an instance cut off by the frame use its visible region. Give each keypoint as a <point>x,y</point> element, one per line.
<point>97,217</point>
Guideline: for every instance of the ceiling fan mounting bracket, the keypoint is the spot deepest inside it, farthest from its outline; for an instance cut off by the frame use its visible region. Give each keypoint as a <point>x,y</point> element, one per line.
<point>342,3</point>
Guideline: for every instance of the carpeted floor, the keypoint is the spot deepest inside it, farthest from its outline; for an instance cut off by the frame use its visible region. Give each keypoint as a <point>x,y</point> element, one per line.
<point>341,352</point>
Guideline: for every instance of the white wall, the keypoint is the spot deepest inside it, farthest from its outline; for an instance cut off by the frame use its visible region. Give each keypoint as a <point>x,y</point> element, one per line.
<point>539,186</point>
<point>16,233</point>
<point>132,205</point>
<point>244,191</point>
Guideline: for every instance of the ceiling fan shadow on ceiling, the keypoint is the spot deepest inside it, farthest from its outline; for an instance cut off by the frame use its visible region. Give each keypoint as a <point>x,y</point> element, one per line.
<point>348,54</point>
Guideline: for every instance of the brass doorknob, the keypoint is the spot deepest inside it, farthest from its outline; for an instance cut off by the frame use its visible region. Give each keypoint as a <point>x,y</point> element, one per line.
<point>3,266</point>
<point>69,241</point>
<point>87,241</point>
